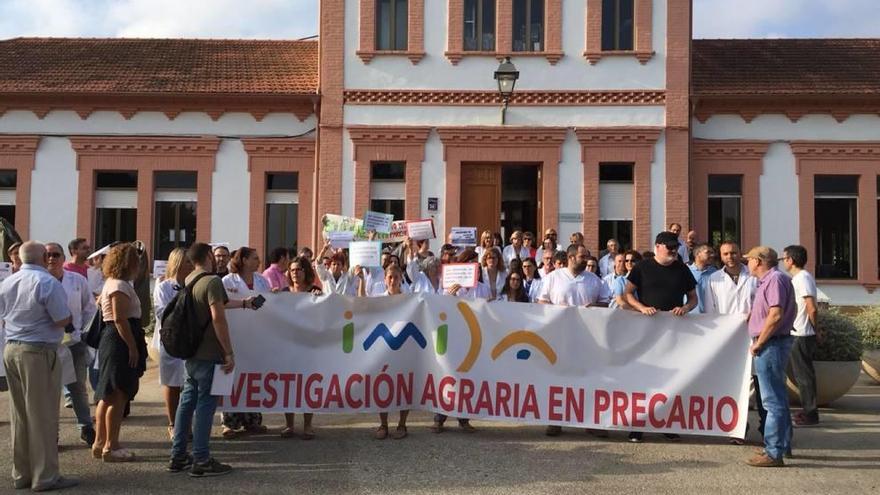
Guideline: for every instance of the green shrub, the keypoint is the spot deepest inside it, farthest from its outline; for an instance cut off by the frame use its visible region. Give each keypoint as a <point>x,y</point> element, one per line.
<point>868,323</point>
<point>842,340</point>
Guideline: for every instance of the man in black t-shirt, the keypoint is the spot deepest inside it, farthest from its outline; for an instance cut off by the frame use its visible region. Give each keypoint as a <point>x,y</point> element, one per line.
<point>661,284</point>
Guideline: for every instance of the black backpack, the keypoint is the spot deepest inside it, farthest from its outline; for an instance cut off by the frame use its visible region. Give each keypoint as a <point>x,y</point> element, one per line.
<point>181,332</point>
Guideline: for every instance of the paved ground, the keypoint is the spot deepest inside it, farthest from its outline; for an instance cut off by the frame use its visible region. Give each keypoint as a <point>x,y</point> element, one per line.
<point>841,456</point>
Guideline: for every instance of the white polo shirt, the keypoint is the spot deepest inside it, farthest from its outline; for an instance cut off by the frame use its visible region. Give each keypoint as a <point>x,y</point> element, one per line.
<point>563,288</point>
<point>722,296</point>
<point>509,253</point>
<point>804,286</point>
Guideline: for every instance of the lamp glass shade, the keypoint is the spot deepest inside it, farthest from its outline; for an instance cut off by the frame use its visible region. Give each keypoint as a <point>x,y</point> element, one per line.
<point>506,75</point>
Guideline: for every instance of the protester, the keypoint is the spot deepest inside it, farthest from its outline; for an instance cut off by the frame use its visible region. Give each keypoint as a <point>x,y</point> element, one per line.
<point>275,273</point>
<point>300,279</point>
<point>606,263</point>
<point>549,243</point>
<point>529,243</point>
<point>486,242</point>
<point>702,266</point>
<point>593,265</point>
<point>95,274</point>
<point>171,369</point>
<point>770,324</point>
<point>244,280</point>
<point>531,278</point>
<point>497,240</point>
<point>82,308</point>
<point>577,238</point>
<point>513,290</point>
<point>516,249</point>
<point>661,284</point>
<point>794,259</point>
<point>13,253</point>
<point>34,309</point>
<point>335,279</point>
<point>494,273</point>
<point>393,279</point>
<point>79,252</point>
<point>122,351</point>
<point>546,259</point>
<point>573,286</point>
<point>221,260</point>
<point>690,242</point>
<point>682,249</point>
<point>730,291</point>
<point>616,281</point>
<point>215,348</point>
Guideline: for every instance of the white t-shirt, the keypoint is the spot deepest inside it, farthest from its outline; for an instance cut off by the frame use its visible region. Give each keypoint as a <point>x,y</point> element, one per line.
<point>563,288</point>
<point>804,286</point>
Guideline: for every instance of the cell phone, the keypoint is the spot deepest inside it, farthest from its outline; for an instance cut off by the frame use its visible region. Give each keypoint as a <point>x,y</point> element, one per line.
<point>69,328</point>
<point>258,301</point>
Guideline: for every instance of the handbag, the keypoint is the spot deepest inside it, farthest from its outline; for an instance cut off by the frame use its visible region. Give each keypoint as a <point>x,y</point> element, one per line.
<point>92,335</point>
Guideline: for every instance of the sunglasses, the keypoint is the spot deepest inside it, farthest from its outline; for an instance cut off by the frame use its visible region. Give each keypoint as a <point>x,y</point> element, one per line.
<point>55,255</point>
<point>630,260</point>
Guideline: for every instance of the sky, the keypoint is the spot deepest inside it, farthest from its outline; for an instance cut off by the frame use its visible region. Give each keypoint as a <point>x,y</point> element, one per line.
<point>293,19</point>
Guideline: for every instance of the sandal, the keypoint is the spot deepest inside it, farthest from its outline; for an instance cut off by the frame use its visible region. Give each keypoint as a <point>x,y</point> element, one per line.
<point>381,433</point>
<point>287,432</point>
<point>229,433</point>
<point>308,433</point>
<point>257,429</point>
<point>467,427</point>
<point>97,450</point>
<point>118,455</point>
<point>437,427</point>
<point>171,432</point>
<point>399,433</point>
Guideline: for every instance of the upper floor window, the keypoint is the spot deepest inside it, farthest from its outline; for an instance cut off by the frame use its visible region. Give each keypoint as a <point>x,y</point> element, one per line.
<point>617,25</point>
<point>479,25</point>
<point>528,25</point>
<point>391,24</point>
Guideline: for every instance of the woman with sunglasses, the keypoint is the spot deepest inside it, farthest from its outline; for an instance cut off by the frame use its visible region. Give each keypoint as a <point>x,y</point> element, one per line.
<point>494,274</point>
<point>513,290</point>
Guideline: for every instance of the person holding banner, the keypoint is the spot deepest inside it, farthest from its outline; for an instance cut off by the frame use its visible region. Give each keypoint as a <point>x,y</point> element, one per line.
<point>393,284</point>
<point>171,369</point>
<point>244,281</point>
<point>300,279</point>
<point>770,323</point>
<point>661,283</point>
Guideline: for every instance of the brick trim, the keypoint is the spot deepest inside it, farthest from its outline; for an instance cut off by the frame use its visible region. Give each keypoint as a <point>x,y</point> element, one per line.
<point>504,32</point>
<point>172,105</point>
<point>841,158</point>
<point>643,33</point>
<point>328,162</point>
<point>415,36</point>
<point>744,158</point>
<point>268,155</point>
<point>628,97</point>
<point>386,143</point>
<point>145,155</point>
<point>678,80</point>
<point>19,153</point>
<point>795,108</point>
<point>542,145</point>
<point>624,144</point>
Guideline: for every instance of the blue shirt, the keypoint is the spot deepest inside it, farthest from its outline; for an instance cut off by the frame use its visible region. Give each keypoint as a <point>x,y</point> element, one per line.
<point>702,279</point>
<point>617,285</point>
<point>31,301</point>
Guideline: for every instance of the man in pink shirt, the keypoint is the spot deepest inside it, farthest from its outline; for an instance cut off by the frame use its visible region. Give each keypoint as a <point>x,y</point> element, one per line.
<point>79,251</point>
<point>277,270</point>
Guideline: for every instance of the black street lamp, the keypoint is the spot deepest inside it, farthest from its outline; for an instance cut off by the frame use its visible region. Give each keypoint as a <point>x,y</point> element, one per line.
<point>506,75</point>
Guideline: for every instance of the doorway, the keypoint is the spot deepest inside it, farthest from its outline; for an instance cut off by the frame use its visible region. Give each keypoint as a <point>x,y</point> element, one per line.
<point>500,197</point>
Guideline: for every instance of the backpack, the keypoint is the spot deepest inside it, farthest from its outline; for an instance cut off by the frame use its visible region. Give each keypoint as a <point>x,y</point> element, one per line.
<point>181,332</point>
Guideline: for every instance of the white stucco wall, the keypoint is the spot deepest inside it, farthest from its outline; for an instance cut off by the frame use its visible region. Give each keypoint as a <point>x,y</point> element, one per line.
<point>55,178</point>
<point>658,186</point>
<point>778,185</point>
<point>605,116</point>
<point>434,186</point>
<point>573,71</point>
<point>571,190</point>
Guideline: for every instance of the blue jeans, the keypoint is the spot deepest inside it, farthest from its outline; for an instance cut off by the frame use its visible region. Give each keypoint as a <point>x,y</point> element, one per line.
<point>79,394</point>
<point>195,399</point>
<point>770,366</point>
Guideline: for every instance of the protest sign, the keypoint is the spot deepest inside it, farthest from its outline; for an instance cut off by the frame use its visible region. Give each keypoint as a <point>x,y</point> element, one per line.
<point>463,236</point>
<point>378,222</point>
<point>159,268</point>
<point>340,240</point>
<point>339,223</point>
<point>419,230</point>
<point>367,254</point>
<point>463,274</point>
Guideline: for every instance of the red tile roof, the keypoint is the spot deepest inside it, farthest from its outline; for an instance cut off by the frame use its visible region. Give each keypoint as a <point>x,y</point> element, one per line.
<point>796,67</point>
<point>158,66</point>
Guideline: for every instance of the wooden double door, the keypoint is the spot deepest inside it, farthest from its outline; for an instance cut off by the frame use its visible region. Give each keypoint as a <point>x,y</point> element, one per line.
<point>501,197</point>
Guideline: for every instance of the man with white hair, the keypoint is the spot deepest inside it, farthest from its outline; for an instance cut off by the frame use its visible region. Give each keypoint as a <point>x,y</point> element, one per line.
<point>34,309</point>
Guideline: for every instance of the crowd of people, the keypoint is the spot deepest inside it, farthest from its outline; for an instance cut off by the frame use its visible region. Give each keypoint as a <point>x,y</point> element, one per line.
<point>48,305</point>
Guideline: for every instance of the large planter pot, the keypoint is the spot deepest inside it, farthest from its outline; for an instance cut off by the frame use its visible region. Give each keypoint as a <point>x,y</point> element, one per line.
<point>833,381</point>
<point>153,352</point>
<point>871,364</point>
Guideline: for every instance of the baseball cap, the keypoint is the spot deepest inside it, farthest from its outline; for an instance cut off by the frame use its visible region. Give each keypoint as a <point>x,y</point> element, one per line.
<point>667,239</point>
<point>762,253</point>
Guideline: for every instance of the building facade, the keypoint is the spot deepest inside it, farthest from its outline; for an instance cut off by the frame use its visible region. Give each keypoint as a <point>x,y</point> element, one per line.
<point>619,124</point>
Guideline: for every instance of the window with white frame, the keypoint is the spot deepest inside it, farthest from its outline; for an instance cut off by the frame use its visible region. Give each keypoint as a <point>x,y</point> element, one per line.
<point>388,188</point>
<point>282,211</point>
<point>175,211</point>
<point>836,217</point>
<point>725,208</point>
<point>616,204</point>
<point>8,182</point>
<point>115,207</point>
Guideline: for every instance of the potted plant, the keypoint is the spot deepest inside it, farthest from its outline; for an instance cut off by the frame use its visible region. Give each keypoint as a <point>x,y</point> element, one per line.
<point>868,323</point>
<point>837,360</point>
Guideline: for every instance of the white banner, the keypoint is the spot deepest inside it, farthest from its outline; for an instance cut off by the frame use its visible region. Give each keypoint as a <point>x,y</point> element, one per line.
<point>530,363</point>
